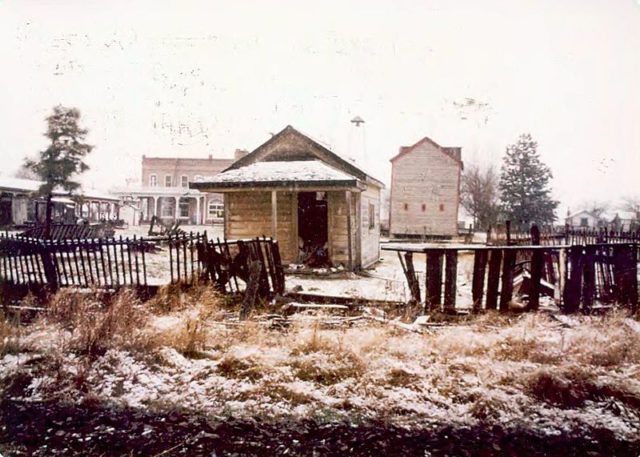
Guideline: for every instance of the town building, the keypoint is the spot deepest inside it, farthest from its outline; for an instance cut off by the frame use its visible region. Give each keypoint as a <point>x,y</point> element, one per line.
<point>19,204</point>
<point>165,191</point>
<point>321,208</point>
<point>583,219</point>
<point>425,191</point>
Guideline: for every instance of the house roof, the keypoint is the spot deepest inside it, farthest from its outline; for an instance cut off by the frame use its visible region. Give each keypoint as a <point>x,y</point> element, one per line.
<point>298,173</point>
<point>18,184</point>
<point>313,150</point>
<point>32,185</point>
<point>582,211</point>
<point>451,152</point>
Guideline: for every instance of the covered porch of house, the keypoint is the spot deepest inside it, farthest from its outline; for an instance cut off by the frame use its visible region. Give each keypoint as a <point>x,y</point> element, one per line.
<point>311,209</point>
<point>188,206</point>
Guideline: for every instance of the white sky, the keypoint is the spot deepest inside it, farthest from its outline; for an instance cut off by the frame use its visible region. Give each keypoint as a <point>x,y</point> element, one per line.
<point>197,78</point>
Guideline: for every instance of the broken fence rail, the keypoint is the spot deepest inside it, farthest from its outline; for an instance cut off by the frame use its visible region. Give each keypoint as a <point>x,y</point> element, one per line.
<point>607,272</point>
<point>122,262</point>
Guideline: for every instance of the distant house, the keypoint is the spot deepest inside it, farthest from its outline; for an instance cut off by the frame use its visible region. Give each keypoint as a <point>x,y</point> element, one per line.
<point>165,191</point>
<point>425,190</point>
<point>624,221</point>
<point>19,205</point>
<point>296,190</point>
<point>583,219</point>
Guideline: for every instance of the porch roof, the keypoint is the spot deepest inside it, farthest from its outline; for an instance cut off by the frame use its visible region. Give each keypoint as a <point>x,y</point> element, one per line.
<point>277,174</point>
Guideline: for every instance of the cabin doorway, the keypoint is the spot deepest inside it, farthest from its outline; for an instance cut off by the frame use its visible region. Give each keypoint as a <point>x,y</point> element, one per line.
<point>313,232</point>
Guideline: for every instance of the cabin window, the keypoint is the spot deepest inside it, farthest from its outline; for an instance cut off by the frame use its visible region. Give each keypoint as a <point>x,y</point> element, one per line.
<point>216,210</point>
<point>184,181</point>
<point>372,216</point>
<point>584,222</point>
<point>406,206</point>
<point>153,180</point>
<point>424,207</point>
<point>167,181</point>
<point>441,206</point>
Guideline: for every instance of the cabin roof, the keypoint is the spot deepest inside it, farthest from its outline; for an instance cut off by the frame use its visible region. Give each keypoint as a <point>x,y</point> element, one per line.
<point>314,148</point>
<point>448,151</point>
<point>300,173</point>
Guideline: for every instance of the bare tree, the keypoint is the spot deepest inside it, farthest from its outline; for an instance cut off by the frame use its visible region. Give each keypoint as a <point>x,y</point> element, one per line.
<point>479,194</point>
<point>632,203</point>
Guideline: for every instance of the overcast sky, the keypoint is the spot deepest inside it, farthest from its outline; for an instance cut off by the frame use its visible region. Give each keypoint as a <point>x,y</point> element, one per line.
<point>197,78</point>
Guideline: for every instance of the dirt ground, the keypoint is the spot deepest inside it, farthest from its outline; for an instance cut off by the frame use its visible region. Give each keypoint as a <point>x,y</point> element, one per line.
<point>46,429</point>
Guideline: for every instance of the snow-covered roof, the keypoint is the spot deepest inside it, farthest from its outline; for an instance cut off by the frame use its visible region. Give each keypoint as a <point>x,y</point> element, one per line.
<point>32,185</point>
<point>25,185</point>
<point>312,172</point>
<point>581,212</point>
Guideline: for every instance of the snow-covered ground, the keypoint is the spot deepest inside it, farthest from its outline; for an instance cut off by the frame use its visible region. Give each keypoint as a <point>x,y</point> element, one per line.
<point>531,371</point>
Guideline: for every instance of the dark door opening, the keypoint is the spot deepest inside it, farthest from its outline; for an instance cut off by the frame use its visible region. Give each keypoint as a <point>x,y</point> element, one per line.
<point>5,210</point>
<point>313,228</point>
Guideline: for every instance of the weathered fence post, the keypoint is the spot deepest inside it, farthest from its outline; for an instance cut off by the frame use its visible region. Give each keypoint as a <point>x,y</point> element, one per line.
<point>494,278</point>
<point>506,293</point>
<point>537,259</point>
<point>450,279</point>
<point>251,292</point>
<point>589,274</point>
<point>573,281</point>
<point>477,287</point>
<point>48,266</point>
<point>434,279</point>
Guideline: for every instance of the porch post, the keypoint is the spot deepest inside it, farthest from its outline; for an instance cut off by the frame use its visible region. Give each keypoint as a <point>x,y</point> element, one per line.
<point>274,214</point>
<point>177,209</point>
<point>198,219</point>
<point>347,196</point>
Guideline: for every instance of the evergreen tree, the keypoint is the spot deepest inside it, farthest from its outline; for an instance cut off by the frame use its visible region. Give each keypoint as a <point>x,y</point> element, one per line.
<point>525,193</point>
<point>63,159</point>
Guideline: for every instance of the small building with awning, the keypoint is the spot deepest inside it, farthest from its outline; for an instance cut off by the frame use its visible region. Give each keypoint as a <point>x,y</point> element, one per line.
<point>311,200</point>
<point>20,205</point>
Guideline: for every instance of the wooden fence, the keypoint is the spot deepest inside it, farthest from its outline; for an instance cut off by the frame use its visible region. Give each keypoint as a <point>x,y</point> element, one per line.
<point>582,274</point>
<point>224,262</point>
<point>117,262</point>
<point>70,231</point>
<point>502,235</point>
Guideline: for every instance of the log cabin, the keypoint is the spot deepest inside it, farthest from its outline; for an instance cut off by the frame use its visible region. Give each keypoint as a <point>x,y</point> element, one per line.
<point>307,197</point>
<point>425,191</point>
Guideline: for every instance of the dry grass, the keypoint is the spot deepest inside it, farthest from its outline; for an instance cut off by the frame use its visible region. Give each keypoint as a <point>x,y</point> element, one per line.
<point>10,333</point>
<point>489,368</point>
<point>98,322</point>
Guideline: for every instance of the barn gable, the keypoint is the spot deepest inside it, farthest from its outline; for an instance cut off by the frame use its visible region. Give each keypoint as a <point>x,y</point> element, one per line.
<point>454,153</point>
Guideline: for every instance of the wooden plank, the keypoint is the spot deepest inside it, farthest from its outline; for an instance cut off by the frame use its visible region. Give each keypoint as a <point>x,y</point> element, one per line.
<point>493,279</point>
<point>434,279</point>
<point>537,262</point>
<point>349,249</point>
<point>573,280</point>
<point>450,280</point>
<point>589,274</point>
<point>506,292</point>
<point>477,287</point>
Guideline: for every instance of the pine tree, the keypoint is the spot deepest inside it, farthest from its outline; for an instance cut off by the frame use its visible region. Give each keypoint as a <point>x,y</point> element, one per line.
<point>63,159</point>
<point>525,192</point>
